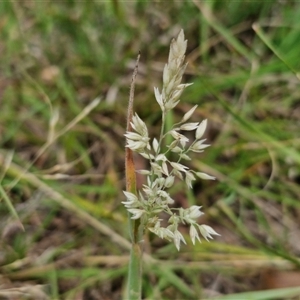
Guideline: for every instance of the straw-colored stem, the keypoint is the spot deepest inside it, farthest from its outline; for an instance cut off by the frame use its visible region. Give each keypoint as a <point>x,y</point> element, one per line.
<point>134,287</point>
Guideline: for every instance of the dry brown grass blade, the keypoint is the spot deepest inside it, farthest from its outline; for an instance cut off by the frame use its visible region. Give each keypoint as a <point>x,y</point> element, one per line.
<point>129,163</point>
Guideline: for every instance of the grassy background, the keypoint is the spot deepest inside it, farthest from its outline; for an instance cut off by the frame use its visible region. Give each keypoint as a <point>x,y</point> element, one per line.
<point>62,160</point>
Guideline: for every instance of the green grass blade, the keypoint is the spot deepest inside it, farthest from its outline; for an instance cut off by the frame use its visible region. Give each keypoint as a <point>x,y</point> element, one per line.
<point>283,293</point>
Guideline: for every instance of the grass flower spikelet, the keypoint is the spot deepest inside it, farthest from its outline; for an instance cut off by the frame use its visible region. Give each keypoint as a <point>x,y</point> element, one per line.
<point>154,198</point>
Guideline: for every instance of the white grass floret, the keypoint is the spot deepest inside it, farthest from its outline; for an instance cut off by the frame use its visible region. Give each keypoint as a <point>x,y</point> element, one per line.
<point>201,129</point>
<point>188,114</point>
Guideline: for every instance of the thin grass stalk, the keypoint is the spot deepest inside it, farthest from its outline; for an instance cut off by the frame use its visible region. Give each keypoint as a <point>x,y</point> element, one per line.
<point>134,287</point>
